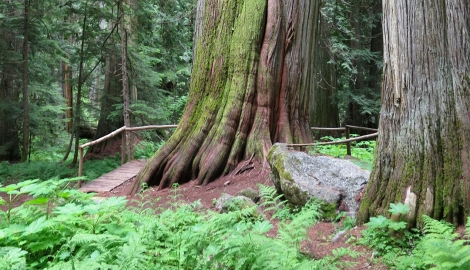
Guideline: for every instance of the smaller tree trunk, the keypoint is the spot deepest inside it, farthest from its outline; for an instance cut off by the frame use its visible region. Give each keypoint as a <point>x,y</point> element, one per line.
<point>125,82</point>
<point>78,104</point>
<point>25,149</point>
<point>67,93</point>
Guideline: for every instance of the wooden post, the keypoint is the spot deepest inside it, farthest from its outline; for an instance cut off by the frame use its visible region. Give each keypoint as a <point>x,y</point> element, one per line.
<point>348,144</point>
<point>123,147</point>
<point>80,167</point>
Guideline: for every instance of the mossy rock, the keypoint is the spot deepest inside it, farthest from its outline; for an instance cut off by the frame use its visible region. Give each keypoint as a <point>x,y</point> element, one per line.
<point>249,193</point>
<point>228,203</point>
<point>301,177</point>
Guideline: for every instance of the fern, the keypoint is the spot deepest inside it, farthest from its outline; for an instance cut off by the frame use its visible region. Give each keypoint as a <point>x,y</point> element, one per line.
<point>273,204</point>
<point>442,248</point>
<point>12,258</point>
<point>80,234</point>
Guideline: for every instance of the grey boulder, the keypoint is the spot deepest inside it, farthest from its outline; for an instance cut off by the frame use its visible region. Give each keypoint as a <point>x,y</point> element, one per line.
<point>300,177</point>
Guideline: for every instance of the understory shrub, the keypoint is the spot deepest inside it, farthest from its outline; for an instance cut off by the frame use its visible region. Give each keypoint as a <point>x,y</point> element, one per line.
<point>436,247</point>
<point>61,228</point>
<point>363,150</point>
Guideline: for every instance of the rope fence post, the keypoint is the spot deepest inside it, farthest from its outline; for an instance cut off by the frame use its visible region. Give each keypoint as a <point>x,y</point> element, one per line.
<point>123,147</point>
<point>348,143</point>
<point>80,167</point>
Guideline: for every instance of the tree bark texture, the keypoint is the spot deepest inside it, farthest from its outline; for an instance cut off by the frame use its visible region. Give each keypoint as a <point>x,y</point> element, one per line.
<point>422,154</point>
<point>125,78</point>
<point>250,86</point>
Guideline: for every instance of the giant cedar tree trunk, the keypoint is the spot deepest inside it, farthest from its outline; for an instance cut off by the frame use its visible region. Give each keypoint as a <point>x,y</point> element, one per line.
<point>250,84</point>
<point>422,155</point>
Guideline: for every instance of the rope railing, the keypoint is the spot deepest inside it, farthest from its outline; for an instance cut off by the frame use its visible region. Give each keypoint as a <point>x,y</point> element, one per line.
<point>347,128</point>
<point>347,141</point>
<point>123,147</point>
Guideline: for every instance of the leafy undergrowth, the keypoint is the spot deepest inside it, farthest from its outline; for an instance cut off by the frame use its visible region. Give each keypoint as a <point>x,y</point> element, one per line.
<point>44,170</point>
<point>60,228</point>
<point>362,150</point>
<point>437,246</point>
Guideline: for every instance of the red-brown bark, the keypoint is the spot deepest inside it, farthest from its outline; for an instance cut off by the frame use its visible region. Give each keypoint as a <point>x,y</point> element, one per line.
<point>249,88</point>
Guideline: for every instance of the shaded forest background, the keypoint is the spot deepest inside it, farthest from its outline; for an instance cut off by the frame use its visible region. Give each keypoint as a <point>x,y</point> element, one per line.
<point>62,73</point>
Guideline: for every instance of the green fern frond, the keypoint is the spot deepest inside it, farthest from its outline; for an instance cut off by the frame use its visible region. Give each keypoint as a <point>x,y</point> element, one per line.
<point>133,255</point>
<point>441,249</point>
<point>432,226</point>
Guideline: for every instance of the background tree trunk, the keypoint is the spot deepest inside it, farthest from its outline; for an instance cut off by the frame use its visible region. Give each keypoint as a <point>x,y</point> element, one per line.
<point>10,83</point>
<point>112,95</point>
<point>422,155</point>
<point>364,83</point>
<point>323,111</point>
<point>77,116</point>
<point>250,87</point>
<point>25,148</point>
<point>125,77</point>
<point>9,99</point>
<point>67,93</point>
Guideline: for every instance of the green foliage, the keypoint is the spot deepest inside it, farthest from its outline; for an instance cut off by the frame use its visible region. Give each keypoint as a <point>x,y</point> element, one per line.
<point>82,232</point>
<point>146,149</point>
<point>41,170</point>
<point>439,247</point>
<point>363,150</point>
<point>389,237</point>
<point>350,25</point>
<point>12,258</point>
<point>81,35</point>
<point>46,170</point>
<point>94,168</point>
<point>272,203</point>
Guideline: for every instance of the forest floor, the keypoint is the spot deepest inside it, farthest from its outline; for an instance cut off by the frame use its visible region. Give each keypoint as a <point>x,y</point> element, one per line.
<point>320,235</point>
<point>322,240</point>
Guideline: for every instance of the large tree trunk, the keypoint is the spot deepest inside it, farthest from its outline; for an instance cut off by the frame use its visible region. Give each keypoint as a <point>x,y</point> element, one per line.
<point>422,154</point>
<point>250,87</point>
